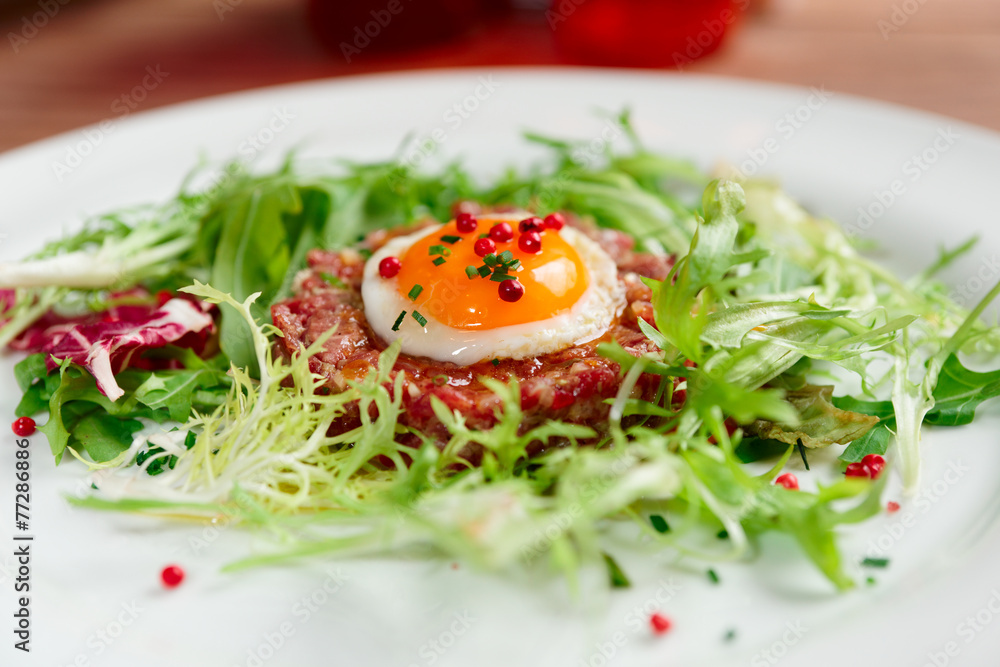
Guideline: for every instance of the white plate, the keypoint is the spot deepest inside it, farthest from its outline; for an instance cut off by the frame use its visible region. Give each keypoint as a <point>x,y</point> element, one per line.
<point>95,597</point>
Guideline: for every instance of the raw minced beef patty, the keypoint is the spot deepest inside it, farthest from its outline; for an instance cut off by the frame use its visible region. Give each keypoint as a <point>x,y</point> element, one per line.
<point>570,385</point>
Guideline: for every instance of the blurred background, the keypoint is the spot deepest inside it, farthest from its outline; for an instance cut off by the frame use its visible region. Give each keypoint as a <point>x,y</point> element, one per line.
<point>67,63</point>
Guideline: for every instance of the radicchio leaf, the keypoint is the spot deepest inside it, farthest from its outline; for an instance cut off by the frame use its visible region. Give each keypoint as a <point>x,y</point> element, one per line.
<point>106,347</point>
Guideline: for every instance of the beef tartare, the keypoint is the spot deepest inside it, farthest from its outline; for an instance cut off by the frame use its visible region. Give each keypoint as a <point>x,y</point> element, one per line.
<point>571,384</point>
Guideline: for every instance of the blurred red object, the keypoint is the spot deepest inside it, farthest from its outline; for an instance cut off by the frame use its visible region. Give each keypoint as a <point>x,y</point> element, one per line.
<point>352,28</point>
<point>641,33</point>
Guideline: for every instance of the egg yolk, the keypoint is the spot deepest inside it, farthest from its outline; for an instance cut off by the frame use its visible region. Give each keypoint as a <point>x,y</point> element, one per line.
<point>554,278</point>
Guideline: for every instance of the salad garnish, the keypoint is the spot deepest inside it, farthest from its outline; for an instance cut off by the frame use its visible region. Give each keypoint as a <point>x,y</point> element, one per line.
<point>151,360</point>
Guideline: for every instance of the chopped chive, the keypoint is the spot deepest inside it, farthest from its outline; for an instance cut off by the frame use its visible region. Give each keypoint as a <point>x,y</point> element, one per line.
<point>333,280</point>
<point>490,260</point>
<point>495,362</point>
<point>484,235</point>
<point>484,271</point>
<point>875,562</point>
<point>802,453</point>
<point>660,524</point>
<point>439,261</point>
<point>501,269</point>
<point>420,318</point>
<point>498,277</point>
<point>471,271</point>
<point>436,250</point>
<point>615,574</point>
<point>451,239</point>
<point>506,256</point>
<point>713,576</point>
<point>516,264</point>
<point>399,320</point>
<point>870,581</point>
<point>441,380</point>
<point>415,292</point>
<point>190,439</point>
<point>722,534</point>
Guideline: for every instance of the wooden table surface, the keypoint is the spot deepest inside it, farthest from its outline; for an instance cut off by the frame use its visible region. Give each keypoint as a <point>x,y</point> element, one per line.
<point>941,56</point>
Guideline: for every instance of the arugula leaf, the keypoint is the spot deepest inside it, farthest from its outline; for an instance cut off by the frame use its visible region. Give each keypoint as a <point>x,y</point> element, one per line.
<point>36,383</point>
<point>65,410</point>
<point>875,441</point>
<point>959,392</point>
<point>881,409</point>
<point>174,390</point>
<point>29,369</point>
<point>248,238</point>
<point>104,436</point>
<point>753,449</point>
<point>80,416</point>
<point>304,230</point>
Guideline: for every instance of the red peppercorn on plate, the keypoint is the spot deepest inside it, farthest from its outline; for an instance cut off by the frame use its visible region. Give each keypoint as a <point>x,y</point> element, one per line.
<point>550,423</point>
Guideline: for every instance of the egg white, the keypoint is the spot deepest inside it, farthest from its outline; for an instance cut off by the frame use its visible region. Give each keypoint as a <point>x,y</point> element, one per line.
<point>589,318</point>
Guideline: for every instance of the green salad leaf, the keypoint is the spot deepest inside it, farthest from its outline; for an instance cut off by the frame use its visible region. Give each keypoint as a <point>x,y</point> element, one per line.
<point>819,424</point>
<point>959,392</point>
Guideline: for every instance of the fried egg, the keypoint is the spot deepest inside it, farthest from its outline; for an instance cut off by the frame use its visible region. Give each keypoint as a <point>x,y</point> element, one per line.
<point>443,300</point>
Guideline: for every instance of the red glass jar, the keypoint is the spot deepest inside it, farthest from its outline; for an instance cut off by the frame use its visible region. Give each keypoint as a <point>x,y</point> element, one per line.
<point>641,33</point>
